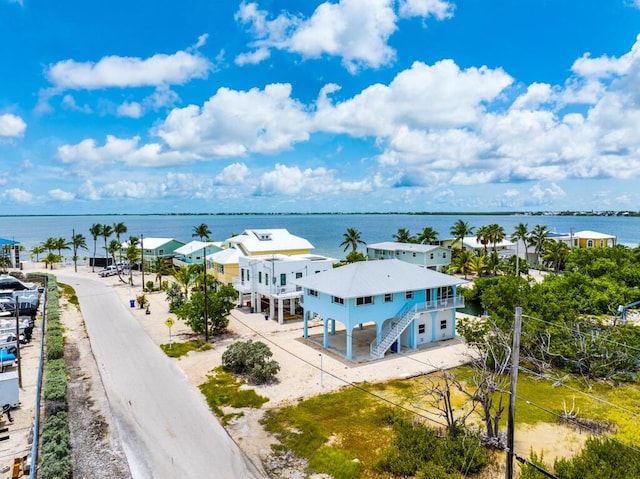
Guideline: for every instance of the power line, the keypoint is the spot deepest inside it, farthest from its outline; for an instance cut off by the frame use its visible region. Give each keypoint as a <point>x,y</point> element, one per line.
<point>591,396</point>
<point>576,423</point>
<point>574,331</point>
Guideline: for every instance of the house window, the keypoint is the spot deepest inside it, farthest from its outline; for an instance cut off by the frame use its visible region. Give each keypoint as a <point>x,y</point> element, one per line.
<point>421,328</point>
<point>590,244</point>
<point>408,295</point>
<point>414,255</point>
<point>443,324</point>
<point>160,252</point>
<point>259,276</point>
<point>445,292</point>
<point>337,300</point>
<point>248,276</point>
<point>221,268</point>
<point>313,292</point>
<point>266,279</point>
<point>364,300</point>
<point>388,298</point>
<point>283,279</point>
<point>431,256</point>
<point>242,274</point>
<point>601,243</point>
<point>444,255</point>
<point>298,275</point>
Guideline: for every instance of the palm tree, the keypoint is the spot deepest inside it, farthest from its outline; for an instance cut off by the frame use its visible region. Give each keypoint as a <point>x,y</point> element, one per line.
<point>95,230</point>
<point>462,262</point>
<point>38,250</point>
<point>113,248</point>
<point>460,230</point>
<point>351,239</point>
<point>50,244</point>
<point>496,234</point>
<point>483,236</point>
<point>428,236</point>
<point>77,241</point>
<point>159,267</point>
<point>119,229</point>
<point>403,236</point>
<point>184,277</point>
<point>61,243</point>
<point>537,239</point>
<point>107,231</point>
<point>520,233</point>
<point>202,231</point>
<point>132,253</point>
<point>555,253</point>
<point>478,263</point>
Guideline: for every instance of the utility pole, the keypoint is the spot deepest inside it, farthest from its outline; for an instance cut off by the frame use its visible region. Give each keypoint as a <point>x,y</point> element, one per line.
<point>18,342</point>
<point>142,258</point>
<point>515,359</point>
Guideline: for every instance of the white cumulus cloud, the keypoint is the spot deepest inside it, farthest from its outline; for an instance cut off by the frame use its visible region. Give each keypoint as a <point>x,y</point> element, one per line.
<point>357,31</point>
<point>12,126</point>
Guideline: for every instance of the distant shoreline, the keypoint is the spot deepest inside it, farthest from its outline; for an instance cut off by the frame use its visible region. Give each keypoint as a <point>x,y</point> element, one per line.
<point>396,213</point>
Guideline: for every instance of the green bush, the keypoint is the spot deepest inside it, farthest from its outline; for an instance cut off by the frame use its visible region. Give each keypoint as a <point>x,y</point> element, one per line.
<point>55,454</point>
<point>55,347</point>
<point>251,359</point>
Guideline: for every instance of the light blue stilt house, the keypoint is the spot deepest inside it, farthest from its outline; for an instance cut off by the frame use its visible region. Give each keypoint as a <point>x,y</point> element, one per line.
<point>411,306</point>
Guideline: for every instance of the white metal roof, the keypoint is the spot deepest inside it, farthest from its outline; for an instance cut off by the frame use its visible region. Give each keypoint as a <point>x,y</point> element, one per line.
<point>372,278</point>
<point>154,243</point>
<point>226,256</point>
<point>265,240</point>
<point>586,234</point>
<point>193,246</point>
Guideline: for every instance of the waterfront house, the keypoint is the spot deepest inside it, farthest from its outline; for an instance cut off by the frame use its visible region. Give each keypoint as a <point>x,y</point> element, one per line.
<point>269,281</point>
<point>158,248</point>
<point>585,239</point>
<point>194,251</point>
<point>410,306</point>
<point>428,256</point>
<point>503,248</point>
<point>252,243</point>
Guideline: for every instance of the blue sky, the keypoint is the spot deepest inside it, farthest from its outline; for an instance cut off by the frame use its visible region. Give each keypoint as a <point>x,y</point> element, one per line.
<point>289,106</point>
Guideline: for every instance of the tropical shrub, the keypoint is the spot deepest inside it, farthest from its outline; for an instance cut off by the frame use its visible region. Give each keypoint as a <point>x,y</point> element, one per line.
<point>251,359</point>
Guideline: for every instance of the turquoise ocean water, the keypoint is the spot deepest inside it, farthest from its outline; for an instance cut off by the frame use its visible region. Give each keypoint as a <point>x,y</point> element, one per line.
<point>323,231</point>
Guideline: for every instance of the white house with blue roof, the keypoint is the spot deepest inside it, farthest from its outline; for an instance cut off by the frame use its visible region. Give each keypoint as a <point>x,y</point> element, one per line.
<point>410,305</point>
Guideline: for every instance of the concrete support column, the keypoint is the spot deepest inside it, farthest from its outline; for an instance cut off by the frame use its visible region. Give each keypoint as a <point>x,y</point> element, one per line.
<point>325,333</point>
<point>280,311</point>
<point>292,306</point>
<point>258,303</point>
<point>349,344</point>
<point>333,327</point>
<point>272,308</point>
<point>307,315</point>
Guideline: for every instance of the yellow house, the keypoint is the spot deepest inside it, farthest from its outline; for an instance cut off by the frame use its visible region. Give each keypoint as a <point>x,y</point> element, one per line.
<point>585,239</point>
<point>254,242</point>
<point>593,239</point>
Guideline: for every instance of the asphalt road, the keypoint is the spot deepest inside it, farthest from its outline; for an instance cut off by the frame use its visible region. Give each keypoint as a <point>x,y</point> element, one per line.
<point>165,425</point>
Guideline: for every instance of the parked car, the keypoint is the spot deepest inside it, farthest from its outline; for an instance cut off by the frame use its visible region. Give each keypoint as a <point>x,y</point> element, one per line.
<point>110,270</point>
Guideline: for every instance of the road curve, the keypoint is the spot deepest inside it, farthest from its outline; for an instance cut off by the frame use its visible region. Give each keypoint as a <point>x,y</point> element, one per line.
<point>165,425</point>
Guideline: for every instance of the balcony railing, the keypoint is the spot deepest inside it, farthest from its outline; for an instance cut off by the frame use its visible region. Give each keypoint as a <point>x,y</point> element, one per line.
<point>444,303</point>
